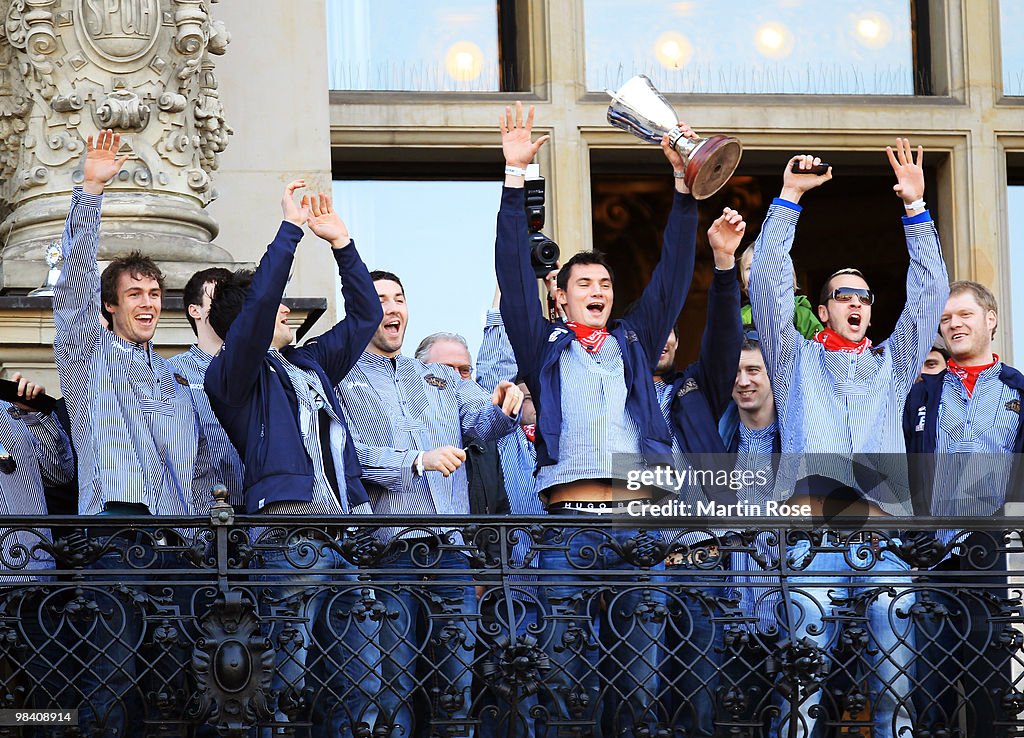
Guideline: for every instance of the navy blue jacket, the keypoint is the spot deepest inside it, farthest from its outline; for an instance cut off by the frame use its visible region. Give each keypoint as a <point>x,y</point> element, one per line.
<point>249,388</point>
<point>922,439</point>
<point>702,391</point>
<point>538,343</point>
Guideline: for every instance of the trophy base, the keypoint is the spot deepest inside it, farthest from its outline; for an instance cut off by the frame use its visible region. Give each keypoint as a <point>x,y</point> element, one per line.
<point>711,165</point>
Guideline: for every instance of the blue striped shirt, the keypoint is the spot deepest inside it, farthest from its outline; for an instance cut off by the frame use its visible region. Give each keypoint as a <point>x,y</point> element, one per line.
<point>42,453</point>
<point>974,440</point>
<point>227,466</point>
<point>496,363</point>
<point>835,404</point>
<point>311,397</point>
<point>133,425</point>
<point>599,439</point>
<point>760,597</point>
<point>664,394</point>
<point>397,408</point>
<point>689,493</point>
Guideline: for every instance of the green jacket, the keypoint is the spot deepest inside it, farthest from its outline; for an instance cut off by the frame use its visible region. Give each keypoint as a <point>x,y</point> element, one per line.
<point>804,319</point>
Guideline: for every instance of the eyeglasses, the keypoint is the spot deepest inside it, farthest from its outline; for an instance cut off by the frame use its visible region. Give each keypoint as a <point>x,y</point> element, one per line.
<point>846,294</point>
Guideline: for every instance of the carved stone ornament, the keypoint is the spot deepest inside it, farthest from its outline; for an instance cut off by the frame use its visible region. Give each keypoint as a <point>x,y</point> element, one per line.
<point>145,68</point>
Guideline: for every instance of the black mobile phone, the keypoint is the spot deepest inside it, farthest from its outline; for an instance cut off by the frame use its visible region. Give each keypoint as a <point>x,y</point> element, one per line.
<point>820,169</point>
<point>9,392</point>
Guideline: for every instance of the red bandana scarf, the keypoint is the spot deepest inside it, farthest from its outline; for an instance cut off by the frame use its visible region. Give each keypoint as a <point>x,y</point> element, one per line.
<point>531,432</point>
<point>832,341</point>
<point>969,374</point>
<point>590,338</point>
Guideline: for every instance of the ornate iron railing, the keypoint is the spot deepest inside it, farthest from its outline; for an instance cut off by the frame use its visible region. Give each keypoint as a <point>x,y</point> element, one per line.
<point>190,626</point>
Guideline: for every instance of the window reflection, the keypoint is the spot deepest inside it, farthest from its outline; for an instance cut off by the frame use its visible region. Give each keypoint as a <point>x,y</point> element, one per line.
<point>1015,214</point>
<point>1011,24</point>
<point>438,238</point>
<point>427,45</point>
<point>752,46</point>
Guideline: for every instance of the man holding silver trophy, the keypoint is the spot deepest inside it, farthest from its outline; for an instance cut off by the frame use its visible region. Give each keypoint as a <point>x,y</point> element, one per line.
<point>598,417</point>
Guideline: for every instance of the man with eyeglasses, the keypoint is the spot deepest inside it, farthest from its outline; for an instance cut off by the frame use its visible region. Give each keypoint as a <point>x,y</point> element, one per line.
<point>965,436</point>
<point>487,495</point>
<point>839,401</point>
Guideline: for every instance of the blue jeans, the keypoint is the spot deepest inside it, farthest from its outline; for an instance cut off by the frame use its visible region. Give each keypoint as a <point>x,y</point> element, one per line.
<point>962,667</point>
<point>431,620</point>
<point>633,621</point>
<point>694,650</point>
<point>115,665</point>
<point>310,594</point>
<point>508,631</point>
<point>885,651</point>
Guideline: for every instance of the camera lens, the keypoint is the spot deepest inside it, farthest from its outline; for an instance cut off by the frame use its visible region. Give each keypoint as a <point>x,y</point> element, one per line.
<point>543,254</point>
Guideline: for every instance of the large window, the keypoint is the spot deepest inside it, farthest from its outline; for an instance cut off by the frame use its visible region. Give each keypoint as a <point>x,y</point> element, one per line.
<point>438,238</point>
<point>1015,215</point>
<point>427,45</point>
<point>753,46</point>
<point>1011,26</point>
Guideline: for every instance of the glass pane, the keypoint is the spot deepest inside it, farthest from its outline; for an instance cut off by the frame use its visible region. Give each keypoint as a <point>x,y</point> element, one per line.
<point>438,238</point>
<point>1015,198</point>
<point>427,45</point>
<point>752,46</point>
<point>1011,27</point>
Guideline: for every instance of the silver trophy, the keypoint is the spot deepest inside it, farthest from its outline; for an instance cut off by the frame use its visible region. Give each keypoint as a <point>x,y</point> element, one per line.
<point>53,258</point>
<point>638,108</point>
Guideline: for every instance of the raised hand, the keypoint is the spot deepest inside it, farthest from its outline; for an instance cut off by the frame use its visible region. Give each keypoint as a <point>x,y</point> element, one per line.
<point>293,213</point>
<point>509,397</point>
<point>27,389</point>
<point>516,137</point>
<point>725,235</point>
<point>794,184</point>
<point>324,222</point>
<point>909,173</point>
<point>674,157</point>
<point>101,161</point>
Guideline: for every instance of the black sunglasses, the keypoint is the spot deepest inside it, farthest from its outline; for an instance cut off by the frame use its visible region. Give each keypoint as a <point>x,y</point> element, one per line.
<point>846,294</point>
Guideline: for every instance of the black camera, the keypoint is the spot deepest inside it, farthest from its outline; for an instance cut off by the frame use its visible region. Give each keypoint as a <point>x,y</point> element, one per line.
<point>543,251</point>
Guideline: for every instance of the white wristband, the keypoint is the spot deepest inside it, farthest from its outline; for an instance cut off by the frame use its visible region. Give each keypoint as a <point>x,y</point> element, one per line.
<point>419,465</point>
<point>916,205</point>
<point>515,171</point>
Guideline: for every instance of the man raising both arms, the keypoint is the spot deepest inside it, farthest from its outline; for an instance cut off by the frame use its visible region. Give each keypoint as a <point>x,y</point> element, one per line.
<point>591,383</point>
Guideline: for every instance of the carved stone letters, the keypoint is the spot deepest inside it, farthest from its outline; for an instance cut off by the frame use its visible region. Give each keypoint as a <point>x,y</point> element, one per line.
<point>144,68</point>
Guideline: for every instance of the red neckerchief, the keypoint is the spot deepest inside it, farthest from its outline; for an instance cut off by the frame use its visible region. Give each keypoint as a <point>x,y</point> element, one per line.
<point>969,374</point>
<point>530,431</point>
<point>832,341</point>
<point>590,338</point>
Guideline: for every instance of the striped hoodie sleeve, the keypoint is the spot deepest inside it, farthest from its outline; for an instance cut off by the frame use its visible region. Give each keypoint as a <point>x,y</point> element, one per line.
<point>771,289</point>
<point>927,290</point>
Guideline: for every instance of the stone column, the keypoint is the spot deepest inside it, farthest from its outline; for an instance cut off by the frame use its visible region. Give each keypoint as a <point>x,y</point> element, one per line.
<point>144,68</point>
